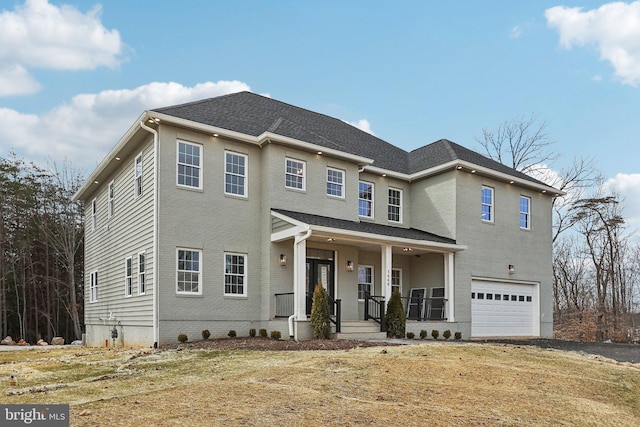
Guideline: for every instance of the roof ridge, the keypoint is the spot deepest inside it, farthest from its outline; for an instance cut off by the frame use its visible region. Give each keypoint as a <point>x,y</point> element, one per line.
<point>202,101</point>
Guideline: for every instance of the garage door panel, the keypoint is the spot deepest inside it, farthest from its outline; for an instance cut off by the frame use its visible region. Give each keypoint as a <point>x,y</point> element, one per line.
<point>502,309</point>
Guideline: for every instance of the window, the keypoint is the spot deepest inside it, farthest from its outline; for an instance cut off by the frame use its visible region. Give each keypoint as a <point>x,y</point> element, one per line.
<point>94,215</point>
<point>189,276</point>
<point>525,212</point>
<point>365,199</point>
<point>235,175</point>
<point>395,205</point>
<point>498,297</point>
<point>294,174</point>
<point>365,280</point>
<point>335,182</point>
<point>142,284</point>
<point>487,204</point>
<point>235,274</point>
<point>137,171</point>
<point>189,169</point>
<point>93,287</point>
<point>128,288</point>
<point>396,280</point>
<point>112,199</point>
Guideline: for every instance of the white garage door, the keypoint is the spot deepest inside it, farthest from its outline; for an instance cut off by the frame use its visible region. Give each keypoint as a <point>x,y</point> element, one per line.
<point>502,309</point>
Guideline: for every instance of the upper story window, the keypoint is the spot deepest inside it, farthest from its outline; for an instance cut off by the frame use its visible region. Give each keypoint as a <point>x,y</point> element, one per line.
<point>487,204</point>
<point>128,277</point>
<point>94,214</point>
<point>525,212</point>
<point>235,274</point>
<point>365,199</point>
<point>235,174</point>
<point>335,182</point>
<point>395,205</point>
<point>142,283</point>
<point>365,280</point>
<point>93,287</point>
<point>137,183</point>
<point>189,165</point>
<point>295,174</point>
<point>111,206</point>
<point>189,275</point>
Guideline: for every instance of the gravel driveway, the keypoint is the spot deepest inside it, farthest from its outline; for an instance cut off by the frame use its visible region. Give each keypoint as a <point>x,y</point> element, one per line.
<point>620,352</point>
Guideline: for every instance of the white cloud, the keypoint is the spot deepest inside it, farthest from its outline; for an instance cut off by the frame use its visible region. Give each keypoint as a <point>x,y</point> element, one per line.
<point>628,186</point>
<point>613,28</point>
<point>16,80</point>
<point>40,35</point>
<point>516,32</point>
<point>85,129</point>
<point>364,125</point>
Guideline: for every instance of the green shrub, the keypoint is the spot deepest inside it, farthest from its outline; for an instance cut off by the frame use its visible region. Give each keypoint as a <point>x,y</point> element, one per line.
<point>183,338</point>
<point>458,335</point>
<point>231,333</point>
<point>276,335</point>
<point>411,335</point>
<point>395,317</point>
<point>423,334</point>
<point>252,332</point>
<point>320,314</point>
<point>206,334</point>
<point>446,334</point>
<point>435,334</point>
<point>263,333</point>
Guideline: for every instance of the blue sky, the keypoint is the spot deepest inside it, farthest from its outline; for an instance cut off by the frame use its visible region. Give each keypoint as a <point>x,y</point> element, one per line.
<point>75,75</point>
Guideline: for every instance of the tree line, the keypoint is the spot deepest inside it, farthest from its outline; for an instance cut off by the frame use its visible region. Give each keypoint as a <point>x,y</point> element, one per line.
<point>41,251</point>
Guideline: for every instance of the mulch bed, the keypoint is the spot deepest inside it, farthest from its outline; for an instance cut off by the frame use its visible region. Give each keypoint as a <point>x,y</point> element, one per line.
<point>269,344</point>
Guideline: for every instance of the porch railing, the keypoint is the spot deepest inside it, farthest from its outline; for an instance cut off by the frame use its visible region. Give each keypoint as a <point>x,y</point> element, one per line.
<point>285,304</point>
<point>425,308</point>
<point>374,307</point>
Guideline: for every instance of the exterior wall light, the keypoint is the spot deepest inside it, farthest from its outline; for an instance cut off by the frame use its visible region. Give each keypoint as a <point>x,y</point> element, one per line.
<point>512,269</point>
<point>349,265</point>
<point>283,260</point>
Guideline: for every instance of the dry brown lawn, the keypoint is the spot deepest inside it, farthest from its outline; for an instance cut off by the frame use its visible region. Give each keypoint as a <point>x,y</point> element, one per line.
<point>430,384</point>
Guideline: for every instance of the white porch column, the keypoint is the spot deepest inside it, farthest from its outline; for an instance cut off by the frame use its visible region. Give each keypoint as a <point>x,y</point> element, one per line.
<point>449,285</point>
<point>385,271</point>
<point>299,276</point>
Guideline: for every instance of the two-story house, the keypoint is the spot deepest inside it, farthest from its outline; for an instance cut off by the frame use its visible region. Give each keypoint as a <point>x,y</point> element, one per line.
<point>225,213</point>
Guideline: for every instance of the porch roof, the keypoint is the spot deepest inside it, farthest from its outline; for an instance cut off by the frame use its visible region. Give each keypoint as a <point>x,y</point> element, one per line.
<point>362,231</point>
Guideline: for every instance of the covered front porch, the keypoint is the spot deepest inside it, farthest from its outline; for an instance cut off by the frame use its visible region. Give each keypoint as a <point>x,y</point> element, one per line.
<point>360,264</point>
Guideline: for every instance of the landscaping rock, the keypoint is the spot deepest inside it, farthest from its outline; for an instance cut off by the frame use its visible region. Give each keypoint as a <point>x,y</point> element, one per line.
<point>23,342</point>
<point>57,341</point>
<point>8,341</point>
<point>42,342</point>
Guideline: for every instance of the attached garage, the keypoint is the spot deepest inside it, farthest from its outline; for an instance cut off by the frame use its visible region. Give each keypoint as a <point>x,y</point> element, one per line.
<point>504,309</point>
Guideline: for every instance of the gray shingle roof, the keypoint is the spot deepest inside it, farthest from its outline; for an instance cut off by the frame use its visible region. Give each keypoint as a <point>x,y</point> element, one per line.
<point>253,114</point>
<point>366,227</point>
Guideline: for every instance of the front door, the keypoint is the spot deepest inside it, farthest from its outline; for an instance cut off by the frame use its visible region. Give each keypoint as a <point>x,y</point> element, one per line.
<point>319,271</point>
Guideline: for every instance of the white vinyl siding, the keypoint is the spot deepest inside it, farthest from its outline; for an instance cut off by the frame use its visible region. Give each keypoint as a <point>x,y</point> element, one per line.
<point>189,169</point>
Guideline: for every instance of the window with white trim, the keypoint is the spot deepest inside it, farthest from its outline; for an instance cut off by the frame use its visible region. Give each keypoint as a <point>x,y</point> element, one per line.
<point>335,182</point>
<point>295,174</point>
<point>235,274</point>
<point>128,277</point>
<point>94,214</point>
<point>189,168</point>
<point>235,174</point>
<point>525,212</point>
<point>395,205</point>
<point>189,276</point>
<point>111,206</point>
<point>365,199</point>
<point>137,172</point>
<point>487,204</point>
<point>396,280</point>
<point>142,279</point>
<point>365,280</point>
<point>93,287</point>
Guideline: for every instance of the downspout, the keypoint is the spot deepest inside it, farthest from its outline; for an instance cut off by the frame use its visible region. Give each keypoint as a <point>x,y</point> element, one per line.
<point>156,337</point>
<point>298,239</point>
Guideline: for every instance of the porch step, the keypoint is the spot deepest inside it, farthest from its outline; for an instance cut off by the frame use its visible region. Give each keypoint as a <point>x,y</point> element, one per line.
<point>359,330</point>
<point>361,335</point>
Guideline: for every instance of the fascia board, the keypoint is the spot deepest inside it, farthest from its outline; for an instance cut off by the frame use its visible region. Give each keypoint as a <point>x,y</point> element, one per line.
<point>190,124</point>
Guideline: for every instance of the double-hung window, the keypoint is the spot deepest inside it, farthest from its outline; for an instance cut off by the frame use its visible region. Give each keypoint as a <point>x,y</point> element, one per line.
<point>94,214</point>
<point>142,283</point>
<point>128,277</point>
<point>137,171</point>
<point>525,212</point>
<point>396,280</point>
<point>335,182</point>
<point>395,205</point>
<point>189,165</point>
<point>365,280</point>
<point>111,207</point>
<point>365,199</point>
<point>93,287</point>
<point>295,174</point>
<point>235,174</point>
<point>235,274</point>
<point>189,277</point>
<point>487,204</point>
